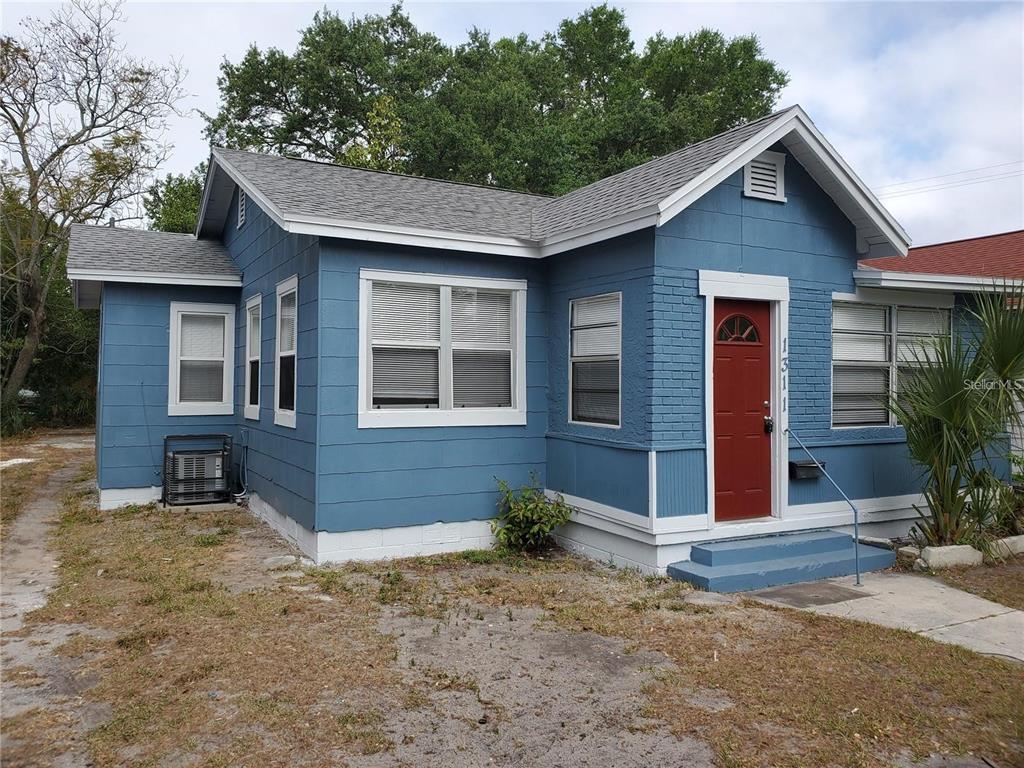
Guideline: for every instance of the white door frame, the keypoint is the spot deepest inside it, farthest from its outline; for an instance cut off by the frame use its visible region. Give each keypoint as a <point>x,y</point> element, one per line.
<point>775,290</point>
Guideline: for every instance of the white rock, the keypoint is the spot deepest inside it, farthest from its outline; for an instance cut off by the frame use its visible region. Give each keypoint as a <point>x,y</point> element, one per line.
<point>908,553</point>
<point>953,556</point>
<point>1008,547</point>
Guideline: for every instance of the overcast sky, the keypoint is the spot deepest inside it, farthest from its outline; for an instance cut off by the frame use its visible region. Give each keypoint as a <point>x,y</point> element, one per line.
<point>926,93</point>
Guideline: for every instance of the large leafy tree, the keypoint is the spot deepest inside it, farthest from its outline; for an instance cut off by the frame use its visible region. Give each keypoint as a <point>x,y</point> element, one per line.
<point>544,116</point>
<point>172,203</point>
<point>80,121</point>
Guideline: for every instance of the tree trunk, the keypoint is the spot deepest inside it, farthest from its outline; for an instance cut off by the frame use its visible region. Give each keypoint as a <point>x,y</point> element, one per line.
<point>33,336</point>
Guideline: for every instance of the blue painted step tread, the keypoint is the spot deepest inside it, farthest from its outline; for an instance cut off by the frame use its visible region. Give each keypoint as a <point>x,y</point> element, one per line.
<point>770,547</point>
<point>741,577</point>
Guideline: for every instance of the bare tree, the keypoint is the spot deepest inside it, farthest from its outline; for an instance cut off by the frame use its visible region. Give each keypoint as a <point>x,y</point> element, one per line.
<point>83,124</point>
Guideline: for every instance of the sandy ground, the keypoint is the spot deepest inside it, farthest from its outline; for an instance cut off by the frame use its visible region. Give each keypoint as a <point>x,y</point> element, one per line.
<point>510,692</point>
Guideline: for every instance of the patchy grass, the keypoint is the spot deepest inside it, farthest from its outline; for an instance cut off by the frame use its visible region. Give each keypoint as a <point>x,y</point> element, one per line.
<point>206,658</point>
<point>798,689</point>
<point>18,485</point>
<point>1000,582</point>
<point>250,677</point>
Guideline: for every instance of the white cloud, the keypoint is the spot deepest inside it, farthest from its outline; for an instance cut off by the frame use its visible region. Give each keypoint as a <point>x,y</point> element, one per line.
<point>903,90</point>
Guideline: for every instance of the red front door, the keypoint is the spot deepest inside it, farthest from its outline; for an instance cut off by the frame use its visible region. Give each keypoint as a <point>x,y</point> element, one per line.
<point>742,389</point>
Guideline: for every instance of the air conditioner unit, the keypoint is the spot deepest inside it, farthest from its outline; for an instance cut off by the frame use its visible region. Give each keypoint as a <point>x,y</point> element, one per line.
<point>197,475</point>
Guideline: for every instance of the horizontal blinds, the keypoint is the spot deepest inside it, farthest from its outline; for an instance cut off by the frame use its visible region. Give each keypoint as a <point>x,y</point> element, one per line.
<point>254,332</point>
<point>865,318</point>
<point>286,323</point>
<point>599,310</point>
<point>860,347</point>
<point>482,318</point>
<point>922,322</point>
<point>859,395</point>
<point>405,312</point>
<point>481,379</point>
<point>593,342</point>
<point>405,377</point>
<point>202,336</point>
<point>201,381</point>
<point>595,391</point>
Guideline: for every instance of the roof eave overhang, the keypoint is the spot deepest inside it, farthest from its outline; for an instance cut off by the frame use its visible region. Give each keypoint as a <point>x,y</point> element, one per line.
<point>918,281</point>
<point>155,278</point>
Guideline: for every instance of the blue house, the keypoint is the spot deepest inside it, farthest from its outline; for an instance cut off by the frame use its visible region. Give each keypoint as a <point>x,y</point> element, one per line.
<point>382,348</point>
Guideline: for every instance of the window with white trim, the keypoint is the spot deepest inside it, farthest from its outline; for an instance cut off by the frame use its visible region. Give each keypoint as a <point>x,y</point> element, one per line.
<point>241,208</point>
<point>765,177</point>
<point>873,347</point>
<point>286,346</point>
<point>201,371</point>
<point>441,350</point>
<point>594,366</point>
<point>253,325</point>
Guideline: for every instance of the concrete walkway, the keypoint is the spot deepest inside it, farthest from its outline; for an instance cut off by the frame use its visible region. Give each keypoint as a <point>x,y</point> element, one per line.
<point>916,603</point>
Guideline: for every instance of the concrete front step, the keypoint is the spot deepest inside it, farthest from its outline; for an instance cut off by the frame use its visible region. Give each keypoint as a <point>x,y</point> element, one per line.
<point>770,572</point>
<point>783,545</point>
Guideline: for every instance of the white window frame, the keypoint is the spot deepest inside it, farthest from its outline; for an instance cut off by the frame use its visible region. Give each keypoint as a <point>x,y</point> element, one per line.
<point>779,160</point>
<point>226,406</point>
<point>240,218</point>
<point>253,411</point>
<point>571,358</point>
<point>285,418</point>
<point>893,301</point>
<point>445,415</point>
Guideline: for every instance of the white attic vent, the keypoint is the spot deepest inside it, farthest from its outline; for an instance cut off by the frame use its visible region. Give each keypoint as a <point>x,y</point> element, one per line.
<point>765,177</point>
<point>241,208</point>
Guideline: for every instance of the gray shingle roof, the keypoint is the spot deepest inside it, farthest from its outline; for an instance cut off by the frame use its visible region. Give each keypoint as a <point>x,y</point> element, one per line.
<point>140,250</point>
<point>306,188</point>
<point>311,189</point>
<point>642,186</point>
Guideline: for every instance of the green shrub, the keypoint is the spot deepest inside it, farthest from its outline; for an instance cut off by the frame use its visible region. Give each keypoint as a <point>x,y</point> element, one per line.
<point>527,517</point>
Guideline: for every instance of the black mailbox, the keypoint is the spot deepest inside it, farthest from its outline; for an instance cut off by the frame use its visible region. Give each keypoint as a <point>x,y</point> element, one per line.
<point>805,469</point>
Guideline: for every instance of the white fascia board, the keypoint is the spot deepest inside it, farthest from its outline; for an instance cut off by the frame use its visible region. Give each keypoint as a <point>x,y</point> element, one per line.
<point>415,236</point>
<point>876,278</point>
<point>603,230</point>
<point>155,278</point>
<point>798,122</point>
<point>250,190</point>
<point>207,186</point>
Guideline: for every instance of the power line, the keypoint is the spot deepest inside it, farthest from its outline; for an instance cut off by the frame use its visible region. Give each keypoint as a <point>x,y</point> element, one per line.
<point>947,175</point>
<point>950,185</point>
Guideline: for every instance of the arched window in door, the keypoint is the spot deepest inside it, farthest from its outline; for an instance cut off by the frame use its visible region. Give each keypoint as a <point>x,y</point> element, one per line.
<point>738,329</point>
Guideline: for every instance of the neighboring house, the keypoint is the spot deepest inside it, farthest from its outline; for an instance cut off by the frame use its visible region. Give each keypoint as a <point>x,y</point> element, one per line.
<point>982,261</point>
<point>382,348</point>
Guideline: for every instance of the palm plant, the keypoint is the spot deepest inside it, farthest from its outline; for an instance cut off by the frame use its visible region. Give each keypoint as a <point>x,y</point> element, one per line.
<point>956,404</point>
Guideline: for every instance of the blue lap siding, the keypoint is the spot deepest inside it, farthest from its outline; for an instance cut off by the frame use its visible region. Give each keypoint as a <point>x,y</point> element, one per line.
<point>281,460</point>
<point>134,360</point>
<point>387,477</point>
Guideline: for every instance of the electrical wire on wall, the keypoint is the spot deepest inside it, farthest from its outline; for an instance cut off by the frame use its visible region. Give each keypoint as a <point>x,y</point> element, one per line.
<point>243,473</point>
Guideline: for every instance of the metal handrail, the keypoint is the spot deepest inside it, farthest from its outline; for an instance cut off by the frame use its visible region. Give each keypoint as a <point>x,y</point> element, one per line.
<point>856,521</point>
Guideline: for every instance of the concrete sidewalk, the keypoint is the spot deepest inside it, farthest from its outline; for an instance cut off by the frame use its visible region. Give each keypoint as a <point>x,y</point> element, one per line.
<point>916,603</point>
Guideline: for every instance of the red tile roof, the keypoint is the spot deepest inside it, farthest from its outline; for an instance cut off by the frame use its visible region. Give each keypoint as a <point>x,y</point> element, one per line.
<point>989,256</point>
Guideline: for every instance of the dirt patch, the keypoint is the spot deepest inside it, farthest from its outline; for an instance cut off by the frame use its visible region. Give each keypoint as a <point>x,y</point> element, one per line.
<point>499,690</point>
<point>1001,582</point>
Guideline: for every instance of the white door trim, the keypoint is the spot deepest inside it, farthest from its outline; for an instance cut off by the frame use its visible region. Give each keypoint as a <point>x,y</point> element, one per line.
<point>775,290</point>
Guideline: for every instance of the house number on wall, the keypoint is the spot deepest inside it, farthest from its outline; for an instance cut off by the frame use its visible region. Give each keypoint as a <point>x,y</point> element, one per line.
<point>784,368</point>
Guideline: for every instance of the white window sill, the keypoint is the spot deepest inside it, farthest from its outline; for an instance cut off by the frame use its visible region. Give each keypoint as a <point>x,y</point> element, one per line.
<point>462,417</point>
<point>201,409</point>
<point>285,418</point>
<point>252,412</point>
